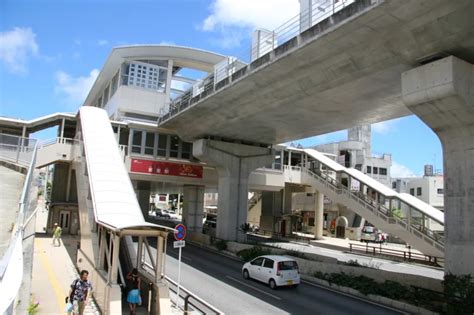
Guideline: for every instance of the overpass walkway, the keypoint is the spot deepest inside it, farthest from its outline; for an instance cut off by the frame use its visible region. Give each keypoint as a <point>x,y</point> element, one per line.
<point>414,221</point>
<point>110,215</point>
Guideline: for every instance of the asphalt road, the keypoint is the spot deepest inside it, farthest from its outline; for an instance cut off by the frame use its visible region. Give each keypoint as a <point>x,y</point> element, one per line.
<point>218,280</point>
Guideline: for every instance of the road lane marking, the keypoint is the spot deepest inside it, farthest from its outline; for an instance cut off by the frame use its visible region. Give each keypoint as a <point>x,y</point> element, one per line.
<point>53,280</point>
<point>257,289</point>
<point>353,296</point>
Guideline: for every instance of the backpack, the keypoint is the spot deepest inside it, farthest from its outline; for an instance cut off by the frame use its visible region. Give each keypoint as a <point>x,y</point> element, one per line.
<point>74,284</point>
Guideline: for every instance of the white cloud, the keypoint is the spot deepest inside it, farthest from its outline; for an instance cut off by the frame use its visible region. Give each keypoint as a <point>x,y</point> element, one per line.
<point>235,19</point>
<point>399,170</point>
<point>102,42</point>
<point>16,47</point>
<point>166,43</point>
<point>75,89</point>
<point>250,13</point>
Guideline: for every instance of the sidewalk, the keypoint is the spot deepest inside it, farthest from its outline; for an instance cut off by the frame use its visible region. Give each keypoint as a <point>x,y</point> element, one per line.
<point>53,272</point>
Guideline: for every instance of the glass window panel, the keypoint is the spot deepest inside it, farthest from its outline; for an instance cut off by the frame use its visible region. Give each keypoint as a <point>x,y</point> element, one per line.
<point>137,137</point>
<point>174,146</point>
<point>186,150</point>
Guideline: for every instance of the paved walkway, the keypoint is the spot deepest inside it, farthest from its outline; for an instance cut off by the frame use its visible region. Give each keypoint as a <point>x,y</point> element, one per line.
<point>53,272</point>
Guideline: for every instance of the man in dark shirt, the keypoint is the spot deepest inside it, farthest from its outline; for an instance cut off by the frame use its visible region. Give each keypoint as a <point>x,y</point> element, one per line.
<point>80,292</point>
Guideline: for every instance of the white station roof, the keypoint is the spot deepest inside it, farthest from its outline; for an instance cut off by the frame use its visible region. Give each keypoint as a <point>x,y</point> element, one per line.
<point>183,57</point>
<point>114,199</point>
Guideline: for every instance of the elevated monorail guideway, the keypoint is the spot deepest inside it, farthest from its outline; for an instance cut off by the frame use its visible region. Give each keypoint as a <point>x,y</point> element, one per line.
<point>343,71</point>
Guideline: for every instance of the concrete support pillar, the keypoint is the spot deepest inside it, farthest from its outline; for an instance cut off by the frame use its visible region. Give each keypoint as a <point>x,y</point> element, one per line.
<point>193,207</point>
<point>442,95</point>
<point>143,190</point>
<point>319,216</point>
<point>234,163</point>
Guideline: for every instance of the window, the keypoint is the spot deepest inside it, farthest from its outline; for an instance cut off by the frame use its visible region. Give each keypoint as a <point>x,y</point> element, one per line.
<point>268,263</point>
<point>383,171</point>
<point>137,141</point>
<point>277,161</point>
<point>257,261</point>
<point>106,95</point>
<point>376,170</point>
<point>114,85</point>
<point>394,185</point>
<point>311,222</point>
<point>418,191</point>
<point>358,167</point>
<point>412,191</point>
<point>369,169</point>
<point>147,76</point>
<point>174,146</point>
<point>440,191</point>
<point>287,265</point>
<point>186,150</point>
<point>162,144</point>
<point>149,143</point>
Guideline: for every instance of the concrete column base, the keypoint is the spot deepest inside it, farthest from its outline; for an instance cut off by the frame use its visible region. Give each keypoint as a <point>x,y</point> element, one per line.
<point>442,95</point>
<point>234,163</point>
<point>193,207</point>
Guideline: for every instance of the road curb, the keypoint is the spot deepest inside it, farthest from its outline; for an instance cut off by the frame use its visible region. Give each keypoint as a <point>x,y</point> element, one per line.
<point>371,297</point>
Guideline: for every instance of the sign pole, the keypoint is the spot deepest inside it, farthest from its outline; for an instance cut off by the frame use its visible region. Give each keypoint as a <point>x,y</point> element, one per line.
<point>179,235</point>
<point>179,275</point>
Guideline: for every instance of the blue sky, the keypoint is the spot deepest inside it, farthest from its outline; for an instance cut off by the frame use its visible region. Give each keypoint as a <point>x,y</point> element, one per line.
<point>51,52</point>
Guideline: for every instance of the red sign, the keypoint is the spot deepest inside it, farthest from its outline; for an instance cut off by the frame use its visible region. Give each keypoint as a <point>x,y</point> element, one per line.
<point>166,168</point>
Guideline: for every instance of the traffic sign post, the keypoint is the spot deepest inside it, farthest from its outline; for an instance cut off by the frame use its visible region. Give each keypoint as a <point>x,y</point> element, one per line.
<point>179,235</point>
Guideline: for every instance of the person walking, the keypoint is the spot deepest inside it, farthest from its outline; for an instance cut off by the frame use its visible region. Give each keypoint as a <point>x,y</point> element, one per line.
<point>80,293</point>
<point>133,297</point>
<point>57,234</point>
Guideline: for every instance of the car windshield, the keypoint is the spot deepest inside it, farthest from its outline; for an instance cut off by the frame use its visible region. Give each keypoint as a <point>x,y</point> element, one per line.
<point>368,229</point>
<point>287,265</point>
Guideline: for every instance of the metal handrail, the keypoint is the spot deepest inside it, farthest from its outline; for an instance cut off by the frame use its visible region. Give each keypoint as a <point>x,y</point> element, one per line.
<point>373,205</point>
<point>407,255</point>
<point>190,295</point>
<point>278,37</point>
<point>16,242</point>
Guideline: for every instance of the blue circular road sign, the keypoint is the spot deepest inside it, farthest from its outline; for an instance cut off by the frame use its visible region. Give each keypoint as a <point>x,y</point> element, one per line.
<point>180,232</point>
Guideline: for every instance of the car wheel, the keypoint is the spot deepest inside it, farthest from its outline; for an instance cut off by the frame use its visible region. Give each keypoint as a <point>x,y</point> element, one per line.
<point>246,274</point>
<point>272,284</point>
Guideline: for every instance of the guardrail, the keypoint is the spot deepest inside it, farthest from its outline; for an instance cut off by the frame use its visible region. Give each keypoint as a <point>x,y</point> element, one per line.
<point>275,42</point>
<point>15,149</point>
<point>9,267</point>
<point>407,255</point>
<point>432,237</point>
<point>191,300</point>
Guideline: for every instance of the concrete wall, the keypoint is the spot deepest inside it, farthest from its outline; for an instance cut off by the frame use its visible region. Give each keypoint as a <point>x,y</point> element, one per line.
<point>254,214</point>
<point>60,178</point>
<point>272,203</point>
<point>135,100</point>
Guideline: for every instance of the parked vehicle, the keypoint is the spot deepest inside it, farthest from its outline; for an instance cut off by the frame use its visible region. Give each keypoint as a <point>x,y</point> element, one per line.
<point>372,234</point>
<point>274,270</point>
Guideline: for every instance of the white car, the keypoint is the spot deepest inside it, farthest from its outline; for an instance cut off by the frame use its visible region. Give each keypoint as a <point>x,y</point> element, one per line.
<point>274,270</point>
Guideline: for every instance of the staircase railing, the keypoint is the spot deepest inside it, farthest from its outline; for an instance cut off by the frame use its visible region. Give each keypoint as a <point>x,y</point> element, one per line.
<point>433,237</point>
